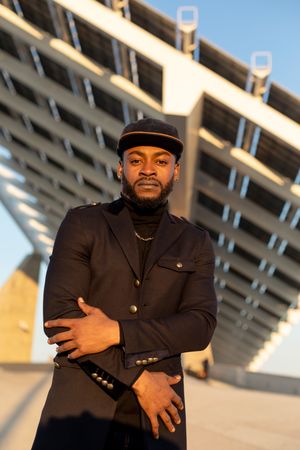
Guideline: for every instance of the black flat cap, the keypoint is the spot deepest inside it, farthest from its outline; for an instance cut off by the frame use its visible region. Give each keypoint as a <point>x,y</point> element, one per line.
<point>151,132</point>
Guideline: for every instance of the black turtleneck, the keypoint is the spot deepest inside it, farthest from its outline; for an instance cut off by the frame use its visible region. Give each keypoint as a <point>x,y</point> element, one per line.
<point>145,222</point>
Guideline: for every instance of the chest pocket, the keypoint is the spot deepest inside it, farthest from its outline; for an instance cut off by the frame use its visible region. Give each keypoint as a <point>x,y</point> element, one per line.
<point>177,264</point>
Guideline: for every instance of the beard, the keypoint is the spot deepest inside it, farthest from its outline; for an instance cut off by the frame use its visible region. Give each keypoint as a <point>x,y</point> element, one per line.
<point>145,202</point>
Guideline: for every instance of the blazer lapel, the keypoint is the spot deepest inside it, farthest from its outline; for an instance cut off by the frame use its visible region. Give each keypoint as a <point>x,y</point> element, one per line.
<point>122,227</point>
<point>168,232</point>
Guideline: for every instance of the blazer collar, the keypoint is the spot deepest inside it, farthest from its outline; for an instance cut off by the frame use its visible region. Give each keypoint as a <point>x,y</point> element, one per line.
<point>168,231</point>
<point>119,220</point>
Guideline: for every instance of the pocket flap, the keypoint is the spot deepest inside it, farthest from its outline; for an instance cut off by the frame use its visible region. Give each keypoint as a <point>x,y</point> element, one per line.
<point>178,264</point>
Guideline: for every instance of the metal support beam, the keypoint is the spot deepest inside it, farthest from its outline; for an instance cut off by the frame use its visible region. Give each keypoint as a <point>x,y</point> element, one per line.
<point>250,270</point>
<point>267,301</point>
<point>49,88</point>
<point>246,241</point>
<point>231,350</point>
<point>239,343</point>
<point>266,320</point>
<point>61,198</point>
<point>236,317</point>
<point>56,174</point>
<point>247,335</point>
<point>240,335</point>
<point>55,153</point>
<point>49,206</point>
<point>65,55</point>
<point>256,214</point>
<point>60,129</point>
<point>250,166</point>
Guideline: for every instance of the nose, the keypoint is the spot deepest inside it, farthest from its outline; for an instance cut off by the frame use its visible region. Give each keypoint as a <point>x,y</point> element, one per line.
<point>148,169</point>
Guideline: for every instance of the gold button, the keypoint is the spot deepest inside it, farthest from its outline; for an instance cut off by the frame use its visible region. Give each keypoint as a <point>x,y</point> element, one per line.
<point>179,265</point>
<point>94,375</point>
<point>150,360</point>
<point>137,283</point>
<point>144,362</point>
<point>57,365</point>
<point>104,383</point>
<point>155,359</point>
<point>133,309</point>
<point>138,362</point>
<point>110,386</point>
<point>99,379</point>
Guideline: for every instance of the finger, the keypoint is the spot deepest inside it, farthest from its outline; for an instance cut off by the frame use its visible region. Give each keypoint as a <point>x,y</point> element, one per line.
<point>173,412</point>
<point>75,354</point>
<point>177,402</point>
<point>173,379</point>
<point>64,336</point>
<point>70,345</point>
<point>167,421</point>
<point>67,323</point>
<point>154,426</point>
<point>87,309</point>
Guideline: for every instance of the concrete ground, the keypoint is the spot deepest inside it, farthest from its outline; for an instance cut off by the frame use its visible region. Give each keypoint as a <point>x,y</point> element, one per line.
<point>220,417</point>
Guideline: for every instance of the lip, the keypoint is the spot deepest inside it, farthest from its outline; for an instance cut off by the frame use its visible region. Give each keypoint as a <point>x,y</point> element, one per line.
<point>148,183</point>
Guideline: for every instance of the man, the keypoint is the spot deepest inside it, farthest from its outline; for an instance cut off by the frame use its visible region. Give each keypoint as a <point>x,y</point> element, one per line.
<point>129,288</point>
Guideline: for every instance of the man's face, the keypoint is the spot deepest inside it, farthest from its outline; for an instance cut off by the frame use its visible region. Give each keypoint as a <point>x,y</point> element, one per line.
<point>147,175</point>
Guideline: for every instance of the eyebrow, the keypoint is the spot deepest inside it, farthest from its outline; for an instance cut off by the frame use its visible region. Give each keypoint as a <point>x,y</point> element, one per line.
<point>163,153</point>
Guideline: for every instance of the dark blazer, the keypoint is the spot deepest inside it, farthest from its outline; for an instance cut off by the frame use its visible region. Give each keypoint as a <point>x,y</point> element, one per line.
<point>95,256</point>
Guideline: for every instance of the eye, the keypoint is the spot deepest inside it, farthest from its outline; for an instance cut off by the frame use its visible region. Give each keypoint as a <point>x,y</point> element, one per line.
<point>135,162</point>
<point>162,162</point>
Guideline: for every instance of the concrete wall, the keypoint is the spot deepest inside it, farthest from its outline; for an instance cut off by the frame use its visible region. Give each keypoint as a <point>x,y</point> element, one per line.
<point>239,377</point>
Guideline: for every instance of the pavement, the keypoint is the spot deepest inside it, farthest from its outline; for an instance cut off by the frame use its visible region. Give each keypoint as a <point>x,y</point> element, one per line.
<point>220,417</point>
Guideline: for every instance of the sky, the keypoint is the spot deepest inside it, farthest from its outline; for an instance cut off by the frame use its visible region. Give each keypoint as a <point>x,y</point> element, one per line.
<point>239,28</point>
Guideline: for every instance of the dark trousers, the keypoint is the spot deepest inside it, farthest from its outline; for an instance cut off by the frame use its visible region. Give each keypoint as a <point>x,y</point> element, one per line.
<point>125,430</point>
<point>122,437</point>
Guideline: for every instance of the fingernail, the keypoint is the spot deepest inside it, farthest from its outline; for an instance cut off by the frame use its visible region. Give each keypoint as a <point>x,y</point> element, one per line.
<point>157,436</point>
<point>173,430</point>
<point>178,421</point>
<point>46,324</point>
<point>81,300</point>
<point>49,341</point>
<point>178,377</point>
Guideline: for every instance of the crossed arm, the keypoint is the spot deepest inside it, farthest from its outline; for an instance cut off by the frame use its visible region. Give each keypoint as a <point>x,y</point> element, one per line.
<point>95,333</point>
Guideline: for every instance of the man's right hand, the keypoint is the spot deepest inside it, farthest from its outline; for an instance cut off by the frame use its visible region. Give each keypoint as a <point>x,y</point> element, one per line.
<point>157,398</point>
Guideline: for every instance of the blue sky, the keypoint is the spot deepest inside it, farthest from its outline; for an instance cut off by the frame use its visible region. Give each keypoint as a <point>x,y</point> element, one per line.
<point>238,27</point>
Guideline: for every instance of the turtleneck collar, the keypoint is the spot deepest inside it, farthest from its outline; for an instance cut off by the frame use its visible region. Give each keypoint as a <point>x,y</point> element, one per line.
<point>144,214</point>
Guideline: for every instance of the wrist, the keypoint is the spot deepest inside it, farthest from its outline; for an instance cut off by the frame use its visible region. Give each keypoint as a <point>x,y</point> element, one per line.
<point>115,332</point>
<point>139,384</point>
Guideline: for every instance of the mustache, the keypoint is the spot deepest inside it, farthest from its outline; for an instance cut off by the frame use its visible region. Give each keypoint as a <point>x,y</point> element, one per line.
<point>147,179</point>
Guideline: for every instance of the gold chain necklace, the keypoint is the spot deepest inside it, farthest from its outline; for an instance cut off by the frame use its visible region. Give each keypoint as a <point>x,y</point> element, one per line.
<point>143,239</point>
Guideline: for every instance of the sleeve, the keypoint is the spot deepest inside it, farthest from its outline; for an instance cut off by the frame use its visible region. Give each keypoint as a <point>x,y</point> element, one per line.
<point>190,329</point>
<point>68,277</point>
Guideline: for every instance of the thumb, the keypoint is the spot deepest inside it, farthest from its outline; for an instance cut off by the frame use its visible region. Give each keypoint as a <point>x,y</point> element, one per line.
<point>87,309</point>
<point>174,379</point>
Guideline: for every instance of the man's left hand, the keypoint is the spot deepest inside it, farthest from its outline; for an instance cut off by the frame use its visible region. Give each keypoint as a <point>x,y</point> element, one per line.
<point>91,334</point>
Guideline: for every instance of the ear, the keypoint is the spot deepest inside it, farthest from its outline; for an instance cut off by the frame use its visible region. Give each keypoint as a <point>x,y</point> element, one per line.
<point>176,172</point>
<point>120,169</point>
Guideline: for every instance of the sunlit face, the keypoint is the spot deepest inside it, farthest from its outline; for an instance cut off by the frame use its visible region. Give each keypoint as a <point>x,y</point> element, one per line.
<point>148,173</point>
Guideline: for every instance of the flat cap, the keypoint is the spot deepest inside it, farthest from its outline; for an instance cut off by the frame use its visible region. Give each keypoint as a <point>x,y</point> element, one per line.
<point>150,132</point>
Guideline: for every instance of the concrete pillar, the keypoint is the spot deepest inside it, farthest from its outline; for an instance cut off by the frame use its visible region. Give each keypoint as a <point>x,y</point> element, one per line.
<point>18,297</point>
